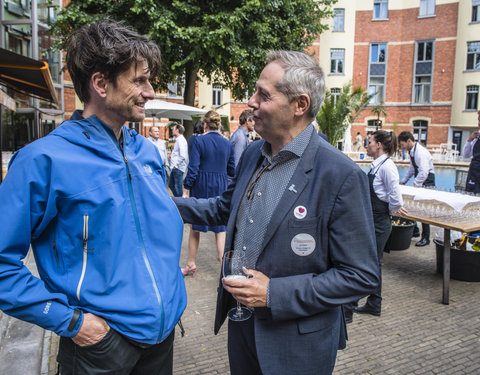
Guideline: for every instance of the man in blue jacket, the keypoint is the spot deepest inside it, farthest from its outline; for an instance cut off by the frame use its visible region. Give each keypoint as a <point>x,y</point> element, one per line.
<point>297,210</point>
<point>109,284</point>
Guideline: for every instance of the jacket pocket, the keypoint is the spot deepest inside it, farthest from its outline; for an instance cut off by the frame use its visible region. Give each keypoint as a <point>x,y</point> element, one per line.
<point>317,322</point>
<point>85,255</point>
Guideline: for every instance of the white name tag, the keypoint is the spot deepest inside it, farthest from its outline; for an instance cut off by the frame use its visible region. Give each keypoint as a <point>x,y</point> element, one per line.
<point>303,244</point>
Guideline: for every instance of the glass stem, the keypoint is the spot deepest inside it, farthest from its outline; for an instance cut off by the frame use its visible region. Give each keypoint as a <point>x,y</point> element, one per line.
<point>239,309</point>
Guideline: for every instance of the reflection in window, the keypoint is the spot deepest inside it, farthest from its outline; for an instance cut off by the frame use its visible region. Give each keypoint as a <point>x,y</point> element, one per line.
<point>471,102</point>
<point>377,72</point>
<point>338,19</point>
<point>420,131</point>
<point>18,39</point>
<point>337,58</point>
<point>427,8</point>
<point>380,9</point>
<point>475,10</point>
<point>423,72</point>
<point>473,56</point>
<point>176,89</point>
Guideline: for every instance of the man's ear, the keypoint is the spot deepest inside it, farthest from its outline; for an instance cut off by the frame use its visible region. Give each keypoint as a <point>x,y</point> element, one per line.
<point>302,105</point>
<point>99,84</point>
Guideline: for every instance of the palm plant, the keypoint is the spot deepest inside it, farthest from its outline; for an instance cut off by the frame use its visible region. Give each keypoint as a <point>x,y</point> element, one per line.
<point>337,112</point>
<point>379,109</point>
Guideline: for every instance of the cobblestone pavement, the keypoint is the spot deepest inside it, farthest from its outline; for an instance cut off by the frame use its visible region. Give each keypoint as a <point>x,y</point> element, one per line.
<point>416,333</point>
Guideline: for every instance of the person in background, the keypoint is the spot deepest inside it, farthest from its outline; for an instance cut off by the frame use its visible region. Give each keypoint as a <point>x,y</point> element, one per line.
<point>211,163</point>
<point>82,198</point>
<point>154,137</point>
<point>239,139</point>
<point>421,167</point>
<point>386,200</point>
<point>293,209</point>
<point>357,144</point>
<point>178,161</point>
<point>365,141</point>
<point>472,149</point>
<point>198,129</point>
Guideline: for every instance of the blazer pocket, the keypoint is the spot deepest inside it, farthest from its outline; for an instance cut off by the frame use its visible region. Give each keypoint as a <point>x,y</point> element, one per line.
<point>317,322</point>
<point>303,235</point>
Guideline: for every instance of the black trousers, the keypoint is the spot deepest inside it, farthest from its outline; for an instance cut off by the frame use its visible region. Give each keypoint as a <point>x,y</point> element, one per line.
<point>115,355</point>
<point>242,351</point>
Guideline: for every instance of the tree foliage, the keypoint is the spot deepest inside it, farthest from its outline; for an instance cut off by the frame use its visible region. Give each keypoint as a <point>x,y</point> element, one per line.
<point>223,40</point>
<point>334,115</point>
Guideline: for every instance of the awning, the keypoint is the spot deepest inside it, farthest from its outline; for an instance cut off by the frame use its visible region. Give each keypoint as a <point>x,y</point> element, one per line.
<point>163,109</point>
<point>25,74</point>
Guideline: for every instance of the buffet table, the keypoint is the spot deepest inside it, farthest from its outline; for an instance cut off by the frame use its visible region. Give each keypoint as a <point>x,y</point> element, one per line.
<point>450,211</point>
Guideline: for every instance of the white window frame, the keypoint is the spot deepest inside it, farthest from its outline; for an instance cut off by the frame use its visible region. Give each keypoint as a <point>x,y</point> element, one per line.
<point>382,7</point>
<point>471,96</point>
<point>216,95</point>
<point>475,10</point>
<point>427,8</point>
<point>335,92</point>
<point>473,50</point>
<point>339,19</point>
<point>337,65</point>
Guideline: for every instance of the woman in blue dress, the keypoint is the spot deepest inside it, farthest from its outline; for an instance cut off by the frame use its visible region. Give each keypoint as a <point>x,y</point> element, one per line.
<point>212,162</point>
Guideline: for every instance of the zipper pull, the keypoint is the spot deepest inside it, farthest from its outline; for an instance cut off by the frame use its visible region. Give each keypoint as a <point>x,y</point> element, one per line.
<point>128,168</point>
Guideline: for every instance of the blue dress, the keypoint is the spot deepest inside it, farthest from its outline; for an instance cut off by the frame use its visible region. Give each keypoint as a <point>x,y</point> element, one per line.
<point>212,161</point>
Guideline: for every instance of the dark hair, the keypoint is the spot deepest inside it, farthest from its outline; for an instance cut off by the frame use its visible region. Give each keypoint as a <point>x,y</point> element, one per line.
<point>405,136</point>
<point>245,116</point>
<point>387,139</point>
<point>180,128</point>
<point>198,127</point>
<point>109,48</point>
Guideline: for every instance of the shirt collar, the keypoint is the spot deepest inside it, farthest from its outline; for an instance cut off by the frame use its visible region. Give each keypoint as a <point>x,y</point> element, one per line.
<point>294,148</point>
<point>378,161</point>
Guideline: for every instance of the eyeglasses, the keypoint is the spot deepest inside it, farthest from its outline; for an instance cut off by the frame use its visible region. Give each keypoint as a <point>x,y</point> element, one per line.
<point>252,186</point>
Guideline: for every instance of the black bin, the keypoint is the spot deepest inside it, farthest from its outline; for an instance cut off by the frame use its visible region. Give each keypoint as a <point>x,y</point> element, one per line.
<point>464,265</point>
<point>401,236</point>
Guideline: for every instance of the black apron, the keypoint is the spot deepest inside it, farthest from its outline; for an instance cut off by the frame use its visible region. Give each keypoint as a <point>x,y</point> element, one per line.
<point>381,216</point>
<point>473,178</point>
<point>430,181</point>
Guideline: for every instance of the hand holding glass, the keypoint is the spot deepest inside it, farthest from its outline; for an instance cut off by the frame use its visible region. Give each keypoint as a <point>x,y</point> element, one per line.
<point>232,268</point>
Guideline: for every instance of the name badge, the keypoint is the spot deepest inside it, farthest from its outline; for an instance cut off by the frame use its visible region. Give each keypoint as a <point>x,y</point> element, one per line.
<point>303,244</point>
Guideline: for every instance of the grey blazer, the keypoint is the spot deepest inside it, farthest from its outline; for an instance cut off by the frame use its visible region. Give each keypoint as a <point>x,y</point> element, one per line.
<point>303,328</point>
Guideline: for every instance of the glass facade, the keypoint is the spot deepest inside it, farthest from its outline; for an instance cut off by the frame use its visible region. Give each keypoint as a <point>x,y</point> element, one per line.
<point>25,31</point>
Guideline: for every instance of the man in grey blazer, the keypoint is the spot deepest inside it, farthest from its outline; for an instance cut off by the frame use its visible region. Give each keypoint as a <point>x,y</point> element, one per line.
<point>299,210</point>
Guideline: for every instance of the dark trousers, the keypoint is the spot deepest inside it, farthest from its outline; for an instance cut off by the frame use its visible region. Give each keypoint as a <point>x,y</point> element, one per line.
<point>115,355</point>
<point>176,182</point>
<point>242,352</point>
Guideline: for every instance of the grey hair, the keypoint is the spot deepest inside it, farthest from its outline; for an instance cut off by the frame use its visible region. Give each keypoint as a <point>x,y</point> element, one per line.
<point>302,76</point>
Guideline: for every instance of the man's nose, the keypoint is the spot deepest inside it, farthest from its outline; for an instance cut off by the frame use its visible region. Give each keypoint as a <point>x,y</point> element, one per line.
<point>148,91</point>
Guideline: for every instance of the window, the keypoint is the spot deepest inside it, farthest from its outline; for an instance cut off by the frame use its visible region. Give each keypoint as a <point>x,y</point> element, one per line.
<point>473,56</point>
<point>217,95</point>
<point>475,10</point>
<point>338,19</point>
<point>471,103</point>
<point>377,72</point>
<point>423,72</point>
<point>427,8</point>
<point>176,88</point>
<point>420,131</point>
<point>380,9</point>
<point>337,57</point>
<point>335,93</point>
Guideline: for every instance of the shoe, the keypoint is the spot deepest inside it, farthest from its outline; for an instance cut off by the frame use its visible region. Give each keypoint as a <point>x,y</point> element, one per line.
<point>189,270</point>
<point>365,309</point>
<point>423,242</point>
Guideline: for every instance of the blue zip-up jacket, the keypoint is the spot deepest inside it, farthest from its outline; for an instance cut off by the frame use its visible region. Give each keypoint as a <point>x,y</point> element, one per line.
<point>104,231</point>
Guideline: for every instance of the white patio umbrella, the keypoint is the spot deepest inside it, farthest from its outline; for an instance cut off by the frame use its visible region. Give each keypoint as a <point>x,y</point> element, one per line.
<point>163,109</point>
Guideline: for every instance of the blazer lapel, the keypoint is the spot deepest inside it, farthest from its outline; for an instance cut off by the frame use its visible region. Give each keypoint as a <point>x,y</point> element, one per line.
<point>296,185</point>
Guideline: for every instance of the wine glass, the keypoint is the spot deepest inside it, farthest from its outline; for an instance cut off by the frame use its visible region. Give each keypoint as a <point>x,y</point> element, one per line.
<point>233,262</point>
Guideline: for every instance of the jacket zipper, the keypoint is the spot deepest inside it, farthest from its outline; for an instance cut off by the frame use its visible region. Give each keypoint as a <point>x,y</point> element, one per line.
<point>85,252</point>
<point>142,244</point>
